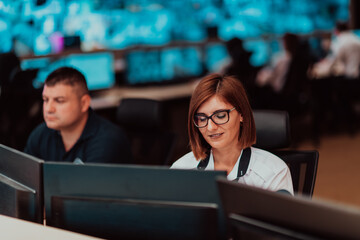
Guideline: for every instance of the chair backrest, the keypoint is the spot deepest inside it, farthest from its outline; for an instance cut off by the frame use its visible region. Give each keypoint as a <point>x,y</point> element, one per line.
<point>272,129</point>
<point>142,119</point>
<point>303,167</point>
<point>273,133</point>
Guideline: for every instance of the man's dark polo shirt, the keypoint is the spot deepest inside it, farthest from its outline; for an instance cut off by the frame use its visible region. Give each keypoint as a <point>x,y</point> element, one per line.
<point>100,142</point>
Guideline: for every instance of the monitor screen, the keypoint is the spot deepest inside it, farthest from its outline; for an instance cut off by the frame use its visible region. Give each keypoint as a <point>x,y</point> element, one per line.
<point>216,57</point>
<point>135,219</point>
<point>314,217</point>
<point>34,27</point>
<point>21,194</point>
<point>163,65</point>
<point>129,182</point>
<point>248,228</point>
<point>98,68</point>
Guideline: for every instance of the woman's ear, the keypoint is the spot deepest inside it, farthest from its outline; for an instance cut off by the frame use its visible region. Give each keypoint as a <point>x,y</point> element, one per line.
<point>85,102</point>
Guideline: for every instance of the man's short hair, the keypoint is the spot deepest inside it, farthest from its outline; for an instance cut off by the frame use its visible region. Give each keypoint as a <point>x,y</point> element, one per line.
<point>68,76</point>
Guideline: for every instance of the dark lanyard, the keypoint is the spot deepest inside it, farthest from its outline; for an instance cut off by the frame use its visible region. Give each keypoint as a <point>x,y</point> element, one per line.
<point>243,164</point>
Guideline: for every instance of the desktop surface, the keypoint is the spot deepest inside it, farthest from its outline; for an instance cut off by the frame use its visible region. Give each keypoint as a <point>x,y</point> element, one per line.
<point>12,228</point>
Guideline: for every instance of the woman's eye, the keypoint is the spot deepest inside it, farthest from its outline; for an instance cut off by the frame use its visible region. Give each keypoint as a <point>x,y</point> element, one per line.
<point>220,115</point>
<point>202,119</point>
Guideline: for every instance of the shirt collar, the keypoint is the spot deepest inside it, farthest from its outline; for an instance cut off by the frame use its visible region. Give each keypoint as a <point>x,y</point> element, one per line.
<point>234,172</point>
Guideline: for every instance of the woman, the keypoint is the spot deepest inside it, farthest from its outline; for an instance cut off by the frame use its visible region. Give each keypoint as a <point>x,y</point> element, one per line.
<point>222,129</point>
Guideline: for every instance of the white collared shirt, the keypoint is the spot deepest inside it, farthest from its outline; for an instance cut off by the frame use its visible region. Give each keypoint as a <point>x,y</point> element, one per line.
<point>346,53</point>
<point>265,170</point>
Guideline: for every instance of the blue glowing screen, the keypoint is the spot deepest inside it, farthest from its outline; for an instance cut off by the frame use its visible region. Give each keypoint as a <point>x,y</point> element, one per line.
<point>163,64</point>
<point>216,57</point>
<point>40,27</point>
<point>96,67</point>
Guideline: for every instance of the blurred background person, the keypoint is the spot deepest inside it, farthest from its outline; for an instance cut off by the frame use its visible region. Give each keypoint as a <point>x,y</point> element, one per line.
<point>283,83</point>
<point>345,51</point>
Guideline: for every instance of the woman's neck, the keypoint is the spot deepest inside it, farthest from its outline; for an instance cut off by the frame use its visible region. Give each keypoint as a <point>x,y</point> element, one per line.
<point>225,159</point>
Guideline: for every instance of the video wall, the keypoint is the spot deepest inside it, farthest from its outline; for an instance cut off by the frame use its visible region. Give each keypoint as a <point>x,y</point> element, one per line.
<point>40,27</point>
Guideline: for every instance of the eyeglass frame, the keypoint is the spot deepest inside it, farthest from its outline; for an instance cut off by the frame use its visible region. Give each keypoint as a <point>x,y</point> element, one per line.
<point>210,117</point>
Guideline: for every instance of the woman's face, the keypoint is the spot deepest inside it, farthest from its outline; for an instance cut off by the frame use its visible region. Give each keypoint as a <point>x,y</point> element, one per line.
<point>220,136</point>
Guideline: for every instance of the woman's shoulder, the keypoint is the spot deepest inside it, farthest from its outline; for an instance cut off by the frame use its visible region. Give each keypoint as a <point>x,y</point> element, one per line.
<point>188,161</point>
<point>265,158</point>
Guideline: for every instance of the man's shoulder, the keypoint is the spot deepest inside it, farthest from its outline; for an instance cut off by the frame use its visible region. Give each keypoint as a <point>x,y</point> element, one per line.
<point>105,132</point>
<point>39,139</point>
<point>107,127</point>
<point>41,130</point>
<point>106,142</point>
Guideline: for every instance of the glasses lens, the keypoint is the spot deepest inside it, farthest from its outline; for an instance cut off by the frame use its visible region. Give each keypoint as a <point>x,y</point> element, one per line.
<point>221,117</point>
<point>200,120</point>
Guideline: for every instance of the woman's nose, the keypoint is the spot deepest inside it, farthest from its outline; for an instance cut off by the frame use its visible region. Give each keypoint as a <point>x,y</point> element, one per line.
<point>211,125</point>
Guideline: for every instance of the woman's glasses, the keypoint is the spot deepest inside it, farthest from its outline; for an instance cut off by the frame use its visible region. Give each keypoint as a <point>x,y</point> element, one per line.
<point>218,117</point>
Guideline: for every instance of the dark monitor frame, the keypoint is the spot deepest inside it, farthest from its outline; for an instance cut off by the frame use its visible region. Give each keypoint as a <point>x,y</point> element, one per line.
<point>135,182</point>
<point>249,228</point>
<point>313,217</point>
<point>17,200</point>
<point>135,219</point>
<point>21,185</point>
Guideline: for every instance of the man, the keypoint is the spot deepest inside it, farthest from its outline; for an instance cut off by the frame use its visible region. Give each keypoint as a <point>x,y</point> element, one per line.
<point>72,132</point>
<point>346,51</point>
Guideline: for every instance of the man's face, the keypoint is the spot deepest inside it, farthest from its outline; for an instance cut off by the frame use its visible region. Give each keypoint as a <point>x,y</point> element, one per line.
<point>63,107</point>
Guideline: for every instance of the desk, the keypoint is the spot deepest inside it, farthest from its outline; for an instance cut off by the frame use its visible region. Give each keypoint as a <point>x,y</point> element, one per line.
<point>13,228</point>
<point>112,97</point>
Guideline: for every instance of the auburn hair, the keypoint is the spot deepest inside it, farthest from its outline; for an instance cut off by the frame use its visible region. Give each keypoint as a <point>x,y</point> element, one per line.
<point>231,90</point>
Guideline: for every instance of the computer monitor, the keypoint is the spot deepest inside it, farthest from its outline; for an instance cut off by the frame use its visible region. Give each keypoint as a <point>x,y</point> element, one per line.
<point>135,219</point>
<point>316,218</point>
<point>120,182</point>
<point>163,65</point>
<point>216,57</point>
<point>21,193</point>
<point>98,68</point>
<point>249,228</point>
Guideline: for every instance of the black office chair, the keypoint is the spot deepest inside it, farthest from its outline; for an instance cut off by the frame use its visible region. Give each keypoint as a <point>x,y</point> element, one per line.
<point>20,107</point>
<point>142,119</point>
<point>272,129</point>
<point>303,167</point>
<point>273,134</point>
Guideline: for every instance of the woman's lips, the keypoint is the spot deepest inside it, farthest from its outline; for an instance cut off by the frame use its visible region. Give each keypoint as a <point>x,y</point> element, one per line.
<point>216,135</point>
